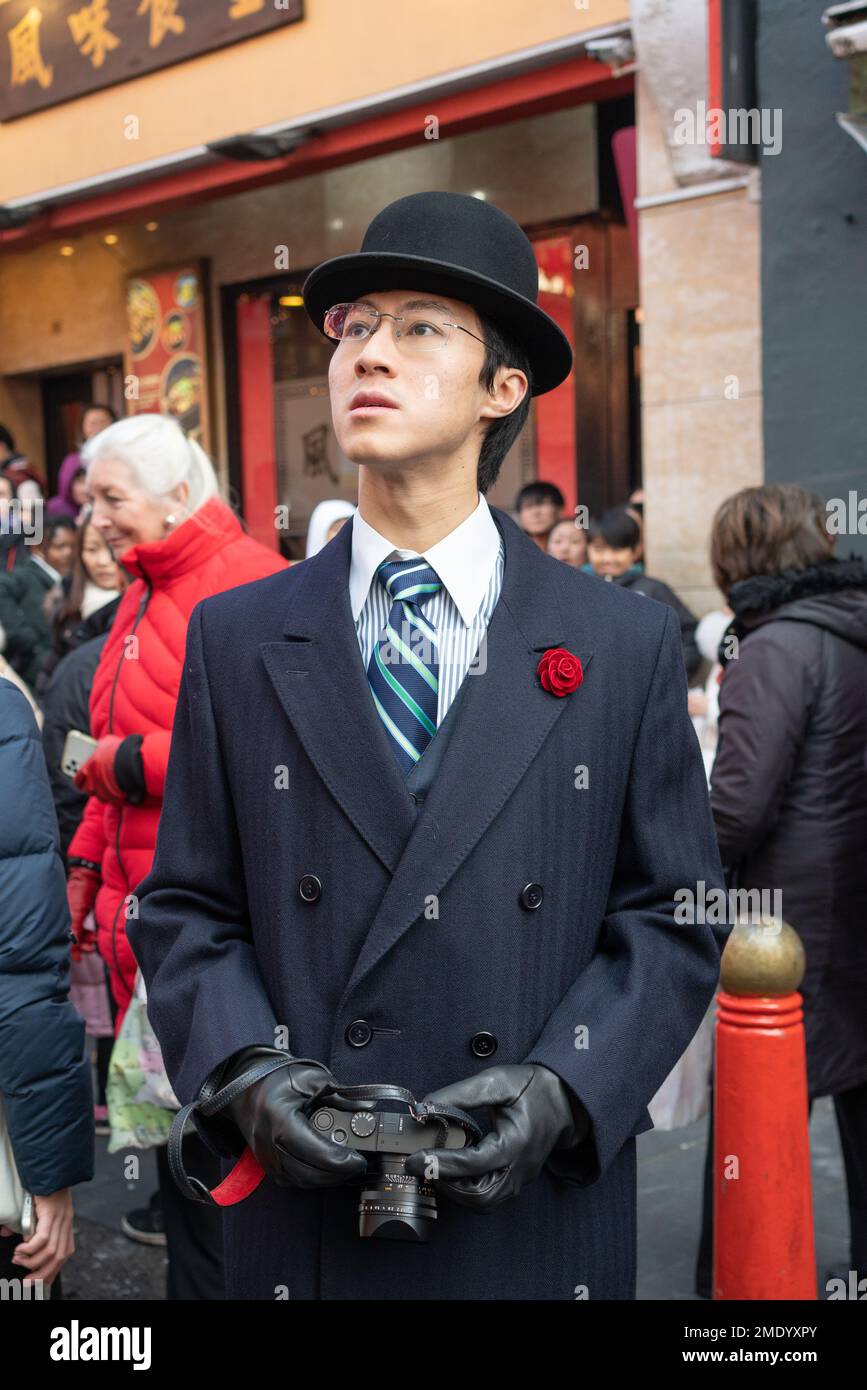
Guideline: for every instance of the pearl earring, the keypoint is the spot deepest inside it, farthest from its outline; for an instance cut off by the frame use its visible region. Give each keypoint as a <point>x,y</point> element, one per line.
<point>170,520</point>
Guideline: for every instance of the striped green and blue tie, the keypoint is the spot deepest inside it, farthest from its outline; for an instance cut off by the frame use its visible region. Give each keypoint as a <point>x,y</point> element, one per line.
<point>403,670</point>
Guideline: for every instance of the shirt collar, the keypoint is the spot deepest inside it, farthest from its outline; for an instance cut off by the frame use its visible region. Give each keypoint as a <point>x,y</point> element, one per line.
<point>464,559</point>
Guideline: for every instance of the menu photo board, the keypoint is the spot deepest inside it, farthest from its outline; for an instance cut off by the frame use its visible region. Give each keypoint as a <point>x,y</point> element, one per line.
<point>166,362</point>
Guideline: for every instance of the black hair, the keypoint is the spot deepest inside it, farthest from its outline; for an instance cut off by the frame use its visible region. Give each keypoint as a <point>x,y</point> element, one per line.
<point>6,438</point>
<point>570,521</point>
<point>53,524</point>
<point>501,350</point>
<point>540,492</point>
<point>617,528</point>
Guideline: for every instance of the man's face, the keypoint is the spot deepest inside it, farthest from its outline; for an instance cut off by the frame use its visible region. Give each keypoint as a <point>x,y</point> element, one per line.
<point>94,421</point>
<point>610,559</point>
<point>436,396</point>
<point>58,549</point>
<point>536,518</point>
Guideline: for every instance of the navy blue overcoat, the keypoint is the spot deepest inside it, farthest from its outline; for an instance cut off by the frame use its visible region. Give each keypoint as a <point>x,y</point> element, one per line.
<point>280,768</point>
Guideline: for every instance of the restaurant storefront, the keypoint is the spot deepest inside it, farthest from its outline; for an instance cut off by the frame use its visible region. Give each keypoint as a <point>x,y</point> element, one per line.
<point>180,290</point>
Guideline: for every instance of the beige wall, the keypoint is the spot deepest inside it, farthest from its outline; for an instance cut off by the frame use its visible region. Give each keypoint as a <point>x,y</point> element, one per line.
<point>700,301</point>
<point>341,52</point>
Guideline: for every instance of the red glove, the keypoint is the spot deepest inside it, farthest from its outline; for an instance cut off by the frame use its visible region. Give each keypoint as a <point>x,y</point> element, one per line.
<point>81,890</point>
<point>97,777</point>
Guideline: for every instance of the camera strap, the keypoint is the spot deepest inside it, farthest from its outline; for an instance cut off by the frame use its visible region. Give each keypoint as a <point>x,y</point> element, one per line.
<point>248,1173</point>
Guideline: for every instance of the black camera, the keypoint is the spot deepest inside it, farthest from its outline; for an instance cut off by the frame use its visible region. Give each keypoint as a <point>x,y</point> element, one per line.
<point>394,1204</point>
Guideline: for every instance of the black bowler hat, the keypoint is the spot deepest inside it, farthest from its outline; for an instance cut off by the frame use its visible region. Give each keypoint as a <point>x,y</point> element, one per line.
<point>459,246</point>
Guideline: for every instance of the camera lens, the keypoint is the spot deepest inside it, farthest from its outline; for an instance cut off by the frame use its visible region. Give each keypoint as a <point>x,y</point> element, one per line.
<point>395,1205</point>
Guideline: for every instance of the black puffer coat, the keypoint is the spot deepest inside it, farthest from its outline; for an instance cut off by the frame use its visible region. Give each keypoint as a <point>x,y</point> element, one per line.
<point>789,788</point>
<point>65,704</point>
<point>71,635</point>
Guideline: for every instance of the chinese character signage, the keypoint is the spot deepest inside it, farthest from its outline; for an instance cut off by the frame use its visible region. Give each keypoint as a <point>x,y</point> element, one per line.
<point>54,50</point>
<point>166,357</point>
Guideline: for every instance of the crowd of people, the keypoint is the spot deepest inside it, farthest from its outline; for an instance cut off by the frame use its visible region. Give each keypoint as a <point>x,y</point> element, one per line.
<point>97,585</point>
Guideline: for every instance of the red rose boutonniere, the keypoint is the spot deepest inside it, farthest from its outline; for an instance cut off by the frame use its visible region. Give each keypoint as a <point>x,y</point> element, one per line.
<point>559,671</point>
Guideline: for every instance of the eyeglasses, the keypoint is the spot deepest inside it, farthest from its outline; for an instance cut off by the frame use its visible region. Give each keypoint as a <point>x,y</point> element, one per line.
<point>422,329</point>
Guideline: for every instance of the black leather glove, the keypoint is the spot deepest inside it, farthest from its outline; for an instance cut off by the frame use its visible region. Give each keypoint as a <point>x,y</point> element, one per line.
<point>533,1113</point>
<point>271,1115</point>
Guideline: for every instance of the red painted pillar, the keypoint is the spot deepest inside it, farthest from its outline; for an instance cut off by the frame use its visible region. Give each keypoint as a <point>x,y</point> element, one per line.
<point>763,1210</point>
<point>256,388</point>
<point>555,411</point>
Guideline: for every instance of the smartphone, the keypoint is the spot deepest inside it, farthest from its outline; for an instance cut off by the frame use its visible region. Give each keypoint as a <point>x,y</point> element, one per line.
<point>76,751</point>
<point>28,1216</point>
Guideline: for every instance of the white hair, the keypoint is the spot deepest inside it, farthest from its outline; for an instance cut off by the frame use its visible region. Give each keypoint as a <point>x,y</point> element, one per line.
<point>160,455</point>
<point>324,514</point>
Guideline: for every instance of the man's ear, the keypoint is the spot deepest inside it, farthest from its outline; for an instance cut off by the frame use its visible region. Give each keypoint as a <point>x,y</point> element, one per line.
<point>509,389</point>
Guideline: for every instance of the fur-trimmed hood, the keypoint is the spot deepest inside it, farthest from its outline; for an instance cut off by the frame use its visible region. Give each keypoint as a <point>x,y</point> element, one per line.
<point>832,595</point>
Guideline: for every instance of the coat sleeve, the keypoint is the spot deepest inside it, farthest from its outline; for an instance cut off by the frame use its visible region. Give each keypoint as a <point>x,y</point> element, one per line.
<point>192,937</point>
<point>89,840</point>
<point>44,1071</point>
<point>688,623</point>
<point>22,638</point>
<point>632,1012</point>
<point>155,760</point>
<point>765,700</point>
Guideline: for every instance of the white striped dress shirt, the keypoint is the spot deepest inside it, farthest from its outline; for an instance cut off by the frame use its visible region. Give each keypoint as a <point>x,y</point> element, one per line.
<point>469,562</point>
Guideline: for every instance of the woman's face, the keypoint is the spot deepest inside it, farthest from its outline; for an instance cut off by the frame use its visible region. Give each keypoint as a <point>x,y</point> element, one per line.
<point>99,564</point>
<point>568,542</point>
<point>335,527</point>
<point>124,514</point>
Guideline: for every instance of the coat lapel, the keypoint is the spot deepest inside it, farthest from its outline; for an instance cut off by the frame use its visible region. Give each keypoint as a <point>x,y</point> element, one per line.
<point>321,683</point>
<point>504,719</point>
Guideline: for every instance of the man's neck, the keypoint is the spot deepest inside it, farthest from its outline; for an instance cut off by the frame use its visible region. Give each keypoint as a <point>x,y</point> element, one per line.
<point>414,514</point>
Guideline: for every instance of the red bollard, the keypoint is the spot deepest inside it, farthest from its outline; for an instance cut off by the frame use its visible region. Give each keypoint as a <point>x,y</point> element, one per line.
<point>763,1205</point>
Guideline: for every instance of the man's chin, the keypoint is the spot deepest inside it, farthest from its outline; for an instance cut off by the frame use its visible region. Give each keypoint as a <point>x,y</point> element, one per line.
<point>374,453</point>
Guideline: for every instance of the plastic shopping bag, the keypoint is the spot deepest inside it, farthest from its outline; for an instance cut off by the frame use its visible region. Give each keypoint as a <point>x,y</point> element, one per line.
<point>141,1102</point>
<point>684,1094</point>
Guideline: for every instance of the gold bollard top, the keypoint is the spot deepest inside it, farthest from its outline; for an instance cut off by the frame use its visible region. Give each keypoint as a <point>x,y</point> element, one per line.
<point>763,956</point>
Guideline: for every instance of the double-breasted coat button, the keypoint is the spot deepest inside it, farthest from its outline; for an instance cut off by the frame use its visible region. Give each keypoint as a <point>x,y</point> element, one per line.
<point>531,896</point>
<point>359,1033</point>
<point>483,1044</point>
<point>309,887</point>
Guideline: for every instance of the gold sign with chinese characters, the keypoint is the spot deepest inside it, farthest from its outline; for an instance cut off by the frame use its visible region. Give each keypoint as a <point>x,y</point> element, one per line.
<point>54,50</point>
